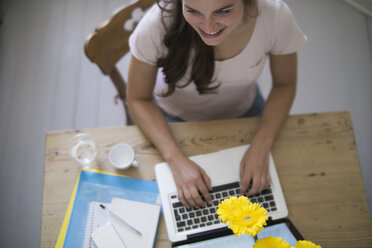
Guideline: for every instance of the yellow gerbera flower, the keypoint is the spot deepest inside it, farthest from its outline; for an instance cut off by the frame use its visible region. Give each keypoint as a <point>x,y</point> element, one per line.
<point>271,242</point>
<point>306,244</point>
<point>226,207</point>
<point>247,217</point>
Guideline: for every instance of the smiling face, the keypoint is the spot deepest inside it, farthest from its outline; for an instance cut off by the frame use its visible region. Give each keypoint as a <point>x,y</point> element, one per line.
<point>215,20</point>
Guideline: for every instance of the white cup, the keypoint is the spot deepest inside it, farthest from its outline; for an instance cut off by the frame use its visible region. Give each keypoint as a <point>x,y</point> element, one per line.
<point>122,156</point>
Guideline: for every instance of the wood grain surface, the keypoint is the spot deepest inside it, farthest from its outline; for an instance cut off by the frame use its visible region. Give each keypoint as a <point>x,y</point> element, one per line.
<point>315,156</point>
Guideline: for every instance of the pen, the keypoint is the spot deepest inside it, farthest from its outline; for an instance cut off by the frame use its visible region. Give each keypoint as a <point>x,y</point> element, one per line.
<point>126,223</point>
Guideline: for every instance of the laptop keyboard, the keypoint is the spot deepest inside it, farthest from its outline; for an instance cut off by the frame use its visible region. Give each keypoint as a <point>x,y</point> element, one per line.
<point>196,218</point>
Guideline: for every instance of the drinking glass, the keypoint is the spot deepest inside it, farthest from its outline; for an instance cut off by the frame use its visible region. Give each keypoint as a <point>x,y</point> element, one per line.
<point>83,149</point>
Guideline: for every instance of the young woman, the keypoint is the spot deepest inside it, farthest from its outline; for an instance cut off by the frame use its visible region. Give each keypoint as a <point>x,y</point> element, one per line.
<point>199,60</point>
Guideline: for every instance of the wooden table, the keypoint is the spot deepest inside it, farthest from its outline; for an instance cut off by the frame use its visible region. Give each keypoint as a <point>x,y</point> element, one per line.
<point>315,155</point>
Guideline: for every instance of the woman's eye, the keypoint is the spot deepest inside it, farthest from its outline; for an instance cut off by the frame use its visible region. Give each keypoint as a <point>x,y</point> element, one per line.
<point>193,12</point>
<point>223,11</point>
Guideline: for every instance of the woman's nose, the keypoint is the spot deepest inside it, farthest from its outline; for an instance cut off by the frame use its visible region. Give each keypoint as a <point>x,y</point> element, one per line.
<point>209,25</point>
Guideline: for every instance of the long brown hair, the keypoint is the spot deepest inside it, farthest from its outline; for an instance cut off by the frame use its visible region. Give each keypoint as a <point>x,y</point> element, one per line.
<point>181,39</point>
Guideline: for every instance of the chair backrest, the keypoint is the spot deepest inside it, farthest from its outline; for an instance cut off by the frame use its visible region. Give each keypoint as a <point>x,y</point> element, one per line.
<point>109,43</point>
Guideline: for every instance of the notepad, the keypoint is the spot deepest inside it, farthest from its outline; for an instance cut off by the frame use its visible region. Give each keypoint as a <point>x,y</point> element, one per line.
<point>142,216</point>
<point>92,188</point>
<point>97,217</point>
<point>108,237</point>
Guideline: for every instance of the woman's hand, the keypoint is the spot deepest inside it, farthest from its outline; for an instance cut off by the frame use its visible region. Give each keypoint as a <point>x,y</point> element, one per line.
<point>254,169</point>
<point>192,183</point>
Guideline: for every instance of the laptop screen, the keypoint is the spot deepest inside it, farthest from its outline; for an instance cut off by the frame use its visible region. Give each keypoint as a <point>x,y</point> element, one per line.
<point>244,241</point>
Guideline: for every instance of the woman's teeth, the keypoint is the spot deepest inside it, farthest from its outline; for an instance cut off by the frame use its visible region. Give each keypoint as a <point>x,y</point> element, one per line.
<point>212,35</point>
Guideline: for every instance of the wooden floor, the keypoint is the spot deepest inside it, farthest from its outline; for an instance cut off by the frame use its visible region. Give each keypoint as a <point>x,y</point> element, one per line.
<point>46,83</point>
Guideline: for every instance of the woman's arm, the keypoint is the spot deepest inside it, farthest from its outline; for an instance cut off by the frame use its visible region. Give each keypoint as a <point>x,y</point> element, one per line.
<point>255,163</point>
<point>189,177</point>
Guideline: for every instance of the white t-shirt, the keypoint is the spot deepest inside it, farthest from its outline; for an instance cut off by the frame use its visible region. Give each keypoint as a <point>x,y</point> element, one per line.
<point>276,32</point>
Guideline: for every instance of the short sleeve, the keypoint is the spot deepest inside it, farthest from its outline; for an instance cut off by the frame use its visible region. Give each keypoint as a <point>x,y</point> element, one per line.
<point>146,41</point>
<point>287,37</point>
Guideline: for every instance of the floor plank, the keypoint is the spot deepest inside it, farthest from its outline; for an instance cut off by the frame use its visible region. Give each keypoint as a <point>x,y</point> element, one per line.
<point>21,157</point>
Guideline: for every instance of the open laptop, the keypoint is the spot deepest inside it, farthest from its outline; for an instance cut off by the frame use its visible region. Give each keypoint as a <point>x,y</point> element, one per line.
<point>223,169</point>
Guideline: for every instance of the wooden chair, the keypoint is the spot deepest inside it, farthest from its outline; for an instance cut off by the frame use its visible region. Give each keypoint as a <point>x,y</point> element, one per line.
<point>109,43</point>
